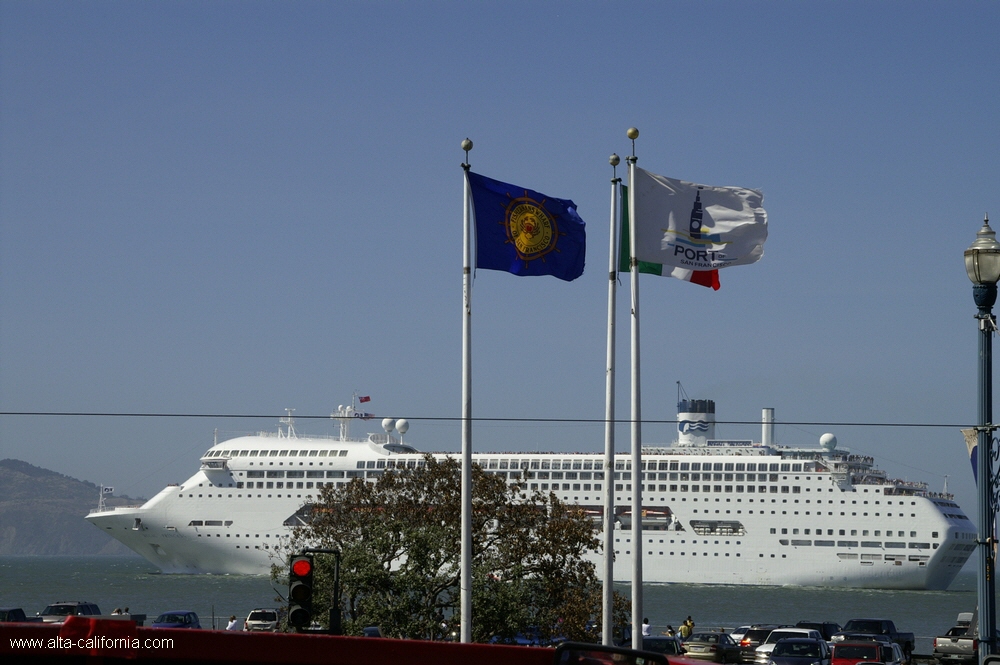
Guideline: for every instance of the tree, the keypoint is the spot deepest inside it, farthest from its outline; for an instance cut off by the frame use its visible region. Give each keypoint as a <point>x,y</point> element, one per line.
<point>399,538</point>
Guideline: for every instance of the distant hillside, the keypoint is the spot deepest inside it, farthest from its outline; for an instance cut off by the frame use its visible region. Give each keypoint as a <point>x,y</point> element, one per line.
<point>41,512</point>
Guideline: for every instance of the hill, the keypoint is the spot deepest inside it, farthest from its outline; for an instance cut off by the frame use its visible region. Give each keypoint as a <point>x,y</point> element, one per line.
<point>41,512</point>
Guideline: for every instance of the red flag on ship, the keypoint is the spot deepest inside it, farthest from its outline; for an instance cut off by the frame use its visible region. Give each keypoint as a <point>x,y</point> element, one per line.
<point>365,398</point>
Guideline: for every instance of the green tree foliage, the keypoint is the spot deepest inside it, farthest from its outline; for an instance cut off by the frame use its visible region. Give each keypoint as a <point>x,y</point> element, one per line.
<point>399,537</point>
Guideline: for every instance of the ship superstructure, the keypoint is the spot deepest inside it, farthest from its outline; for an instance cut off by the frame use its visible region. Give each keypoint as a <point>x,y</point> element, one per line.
<point>714,511</point>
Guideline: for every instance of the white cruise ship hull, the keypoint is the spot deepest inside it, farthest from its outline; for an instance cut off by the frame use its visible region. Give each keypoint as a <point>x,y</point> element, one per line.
<point>803,518</point>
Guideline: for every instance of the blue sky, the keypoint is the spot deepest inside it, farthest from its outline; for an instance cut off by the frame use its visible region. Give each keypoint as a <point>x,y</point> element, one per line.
<point>234,208</point>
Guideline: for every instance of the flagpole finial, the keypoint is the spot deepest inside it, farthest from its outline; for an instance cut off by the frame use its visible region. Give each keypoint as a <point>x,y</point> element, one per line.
<point>633,134</point>
<point>466,146</point>
<point>614,161</point>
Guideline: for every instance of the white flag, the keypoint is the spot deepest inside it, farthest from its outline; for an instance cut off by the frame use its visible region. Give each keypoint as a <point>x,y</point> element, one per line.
<point>697,227</point>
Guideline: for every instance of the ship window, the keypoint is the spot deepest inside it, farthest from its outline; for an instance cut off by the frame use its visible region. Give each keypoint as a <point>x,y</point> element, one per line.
<point>293,453</point>
<point>254,453</point>
<point>576,465</point>
<point>696,466</point>
<point>751,466</point>
<point>295,474</point>
<point>323,452</point>
<point>334,474</point>
<point>796,468</point>
<point>343,453</point>
<point>255,474</point>
<point>275,474</point>
<point>282,453</point>
<point>673,466</point>
<point>773,467</point>
<point>273,453</point>
<point>244,453</point>
<point>717,466</point>
<point>934,534</point>
<point>741,467</point>
<point>313,453</point>
<point>728,466</point>
<point>195,523</point>
<point>314,474</point>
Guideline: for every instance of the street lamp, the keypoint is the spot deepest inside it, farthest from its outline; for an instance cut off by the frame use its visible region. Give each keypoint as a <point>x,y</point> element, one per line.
<point>982,262</point>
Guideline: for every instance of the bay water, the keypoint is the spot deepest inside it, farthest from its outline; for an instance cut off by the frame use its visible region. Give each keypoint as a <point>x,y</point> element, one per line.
<point>32,582</point>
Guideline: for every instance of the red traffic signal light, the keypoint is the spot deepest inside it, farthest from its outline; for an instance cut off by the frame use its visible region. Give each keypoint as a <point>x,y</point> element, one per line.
<point>300,590</point>
<point>302,566</point>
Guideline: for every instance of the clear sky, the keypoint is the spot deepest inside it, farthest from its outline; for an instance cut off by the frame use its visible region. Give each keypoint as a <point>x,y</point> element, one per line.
<point>238,207</point>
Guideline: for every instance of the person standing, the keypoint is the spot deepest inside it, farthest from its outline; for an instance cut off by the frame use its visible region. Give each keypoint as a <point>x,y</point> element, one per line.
<point>233,623</point>
<point>647,630</point>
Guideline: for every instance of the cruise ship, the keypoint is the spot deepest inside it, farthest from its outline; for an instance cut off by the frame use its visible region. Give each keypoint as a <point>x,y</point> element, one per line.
<point>714,511</point>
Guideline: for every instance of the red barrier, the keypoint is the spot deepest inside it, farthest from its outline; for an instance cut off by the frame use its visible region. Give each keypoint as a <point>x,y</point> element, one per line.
<point>110,642</point>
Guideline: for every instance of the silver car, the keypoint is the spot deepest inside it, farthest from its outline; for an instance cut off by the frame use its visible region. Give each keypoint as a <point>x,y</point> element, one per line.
<point>262,619</point>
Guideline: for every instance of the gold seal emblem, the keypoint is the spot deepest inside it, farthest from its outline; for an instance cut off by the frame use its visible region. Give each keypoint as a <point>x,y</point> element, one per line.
<point>530,228</point>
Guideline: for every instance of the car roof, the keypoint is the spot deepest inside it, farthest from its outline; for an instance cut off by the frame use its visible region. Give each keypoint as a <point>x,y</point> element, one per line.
<point>801,639</point>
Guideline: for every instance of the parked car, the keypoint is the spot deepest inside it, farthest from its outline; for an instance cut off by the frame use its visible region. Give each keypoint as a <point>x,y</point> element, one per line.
<point>850,653</point>
<point>15,614</point>
<point>262,619</point>
<point>800,651</point>
<point>58,611</point>
<point>717,647</point>
<point>670,646</point>
<point>762,654</point>
<point>752,639</point>
<point>826,628</point>
<point>892,654</point>
<point>176,619</point>
<point>738,633</point>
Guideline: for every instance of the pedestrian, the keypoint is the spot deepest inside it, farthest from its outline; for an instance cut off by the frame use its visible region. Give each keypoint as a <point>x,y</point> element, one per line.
<point>685,629</point>
<point>647,630</point>
<point>233,623</point>
<point>669,632</point>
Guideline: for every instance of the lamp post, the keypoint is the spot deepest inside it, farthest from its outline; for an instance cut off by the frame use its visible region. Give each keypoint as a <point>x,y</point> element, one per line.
<point>982,262</point>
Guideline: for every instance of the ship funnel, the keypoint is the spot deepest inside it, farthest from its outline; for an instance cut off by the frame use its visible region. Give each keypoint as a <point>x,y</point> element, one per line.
<point>695,422</point>
<point>767,427</point>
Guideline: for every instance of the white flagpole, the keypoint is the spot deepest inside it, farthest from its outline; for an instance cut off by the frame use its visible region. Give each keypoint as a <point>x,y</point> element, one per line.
<point>465,580</point>
<point>637,475</point>
<point>607,627</point>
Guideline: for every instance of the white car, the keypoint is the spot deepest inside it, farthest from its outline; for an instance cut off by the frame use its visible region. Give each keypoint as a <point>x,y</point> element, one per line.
<point>762,654</point>
<point>262,619</point>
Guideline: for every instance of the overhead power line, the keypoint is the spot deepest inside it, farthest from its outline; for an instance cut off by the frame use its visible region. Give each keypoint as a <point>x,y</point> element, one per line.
<point>622,421</point>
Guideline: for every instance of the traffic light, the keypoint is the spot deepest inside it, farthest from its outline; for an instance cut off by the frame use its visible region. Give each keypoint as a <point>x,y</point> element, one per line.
<point>300,590</point>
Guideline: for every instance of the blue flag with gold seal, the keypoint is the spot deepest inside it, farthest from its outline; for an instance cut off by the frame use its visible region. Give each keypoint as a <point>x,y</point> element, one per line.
<point>526,233</point>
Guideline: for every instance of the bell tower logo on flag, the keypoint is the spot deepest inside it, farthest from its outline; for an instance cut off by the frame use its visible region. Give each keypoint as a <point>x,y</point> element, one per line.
<point>530,228</point>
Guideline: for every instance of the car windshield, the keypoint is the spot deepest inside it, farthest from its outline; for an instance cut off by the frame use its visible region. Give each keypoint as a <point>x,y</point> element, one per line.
<point>262,616</point>
<point>708,638</point>
<point>660,645</point>
<point>171,618</point>
<point>801,649</point>
<point>59,610</point>
<point>856,652</point>
<point>781,634</point>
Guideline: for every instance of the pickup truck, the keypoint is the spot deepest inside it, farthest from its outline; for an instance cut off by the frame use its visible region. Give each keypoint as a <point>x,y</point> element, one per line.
<point>960,644</point>
<point>881,627</point>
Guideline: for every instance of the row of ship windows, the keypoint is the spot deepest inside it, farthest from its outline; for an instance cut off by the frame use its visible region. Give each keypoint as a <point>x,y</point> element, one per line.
<point>843,532</point>
<point>577,465</point>
<point>869,559</point>
<point>276,453</point>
